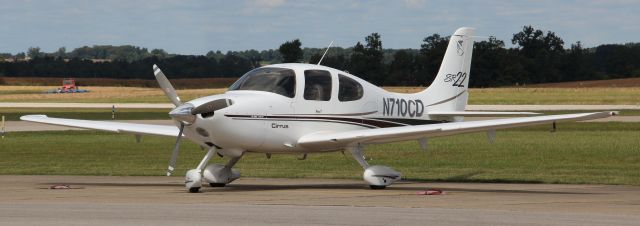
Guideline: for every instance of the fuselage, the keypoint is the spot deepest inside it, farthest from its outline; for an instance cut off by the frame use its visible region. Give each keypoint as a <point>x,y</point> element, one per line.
<point>318,99</point>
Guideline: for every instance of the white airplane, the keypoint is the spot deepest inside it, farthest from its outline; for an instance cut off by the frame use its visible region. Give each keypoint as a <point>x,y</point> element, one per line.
<point>306,108</point>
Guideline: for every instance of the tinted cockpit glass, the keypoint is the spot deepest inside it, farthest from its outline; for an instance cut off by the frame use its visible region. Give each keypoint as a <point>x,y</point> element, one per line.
<point>317,85</point>
<point>349,89</point>
<point>276,80</point>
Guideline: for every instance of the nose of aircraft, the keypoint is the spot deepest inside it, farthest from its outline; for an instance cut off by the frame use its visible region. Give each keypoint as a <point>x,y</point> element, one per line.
<point>187,112</point>
<point>183,113</point>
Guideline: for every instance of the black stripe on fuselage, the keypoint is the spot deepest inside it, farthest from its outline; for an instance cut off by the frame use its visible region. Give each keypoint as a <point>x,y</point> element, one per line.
<point>365,122</point>
<point>413,122</point>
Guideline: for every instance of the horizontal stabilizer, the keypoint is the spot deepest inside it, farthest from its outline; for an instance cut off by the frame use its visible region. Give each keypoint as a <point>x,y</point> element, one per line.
<point>480,113</point>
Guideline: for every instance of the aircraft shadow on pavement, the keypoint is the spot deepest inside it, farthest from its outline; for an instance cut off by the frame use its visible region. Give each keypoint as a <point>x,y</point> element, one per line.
<point>347,186</point>
<point>357,186</point>
<point>77,185</point>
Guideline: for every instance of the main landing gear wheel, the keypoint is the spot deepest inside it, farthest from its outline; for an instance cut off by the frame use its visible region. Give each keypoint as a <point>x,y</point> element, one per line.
<point>378,177</point>
<point>194,190</point>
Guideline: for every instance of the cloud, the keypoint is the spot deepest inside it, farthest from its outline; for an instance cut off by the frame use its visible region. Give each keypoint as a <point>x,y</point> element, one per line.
<point>414,3</point>
<point>265,4</point>
<point>253,7</point>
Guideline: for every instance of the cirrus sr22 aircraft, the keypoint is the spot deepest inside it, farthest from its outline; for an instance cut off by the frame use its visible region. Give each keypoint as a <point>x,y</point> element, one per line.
<point>307,108</point>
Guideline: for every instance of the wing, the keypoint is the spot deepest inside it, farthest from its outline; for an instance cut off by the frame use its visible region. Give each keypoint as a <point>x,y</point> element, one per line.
<point>118,127</point>
<point>480,113</point>
<point>332,140</point>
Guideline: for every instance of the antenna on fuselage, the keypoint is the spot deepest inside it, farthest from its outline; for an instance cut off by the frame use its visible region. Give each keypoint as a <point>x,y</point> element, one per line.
<point>325,52</point>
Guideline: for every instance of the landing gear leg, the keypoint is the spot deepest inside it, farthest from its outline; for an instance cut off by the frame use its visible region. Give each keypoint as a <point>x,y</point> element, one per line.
<point>378,177</point>
<point>193,179</point>
<point>357,154</point>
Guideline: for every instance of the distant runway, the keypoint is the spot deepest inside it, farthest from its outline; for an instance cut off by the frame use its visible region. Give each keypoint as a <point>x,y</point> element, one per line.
<point>469,107</point>
<point>26,200</point>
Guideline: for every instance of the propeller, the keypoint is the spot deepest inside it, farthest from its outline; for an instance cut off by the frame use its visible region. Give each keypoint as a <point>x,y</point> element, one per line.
<point>176,150</point>
<point>166,86</point>
<point>185,113</point>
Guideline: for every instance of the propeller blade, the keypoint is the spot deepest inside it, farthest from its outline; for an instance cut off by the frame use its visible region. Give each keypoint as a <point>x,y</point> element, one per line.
<point>176,150</point>
<point>212,106</point>
<point>166,86</point>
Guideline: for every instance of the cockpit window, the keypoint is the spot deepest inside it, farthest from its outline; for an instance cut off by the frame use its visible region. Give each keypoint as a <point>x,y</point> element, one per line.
<point>317,85</point>
<point>348,89</point>
<point>276,80</point>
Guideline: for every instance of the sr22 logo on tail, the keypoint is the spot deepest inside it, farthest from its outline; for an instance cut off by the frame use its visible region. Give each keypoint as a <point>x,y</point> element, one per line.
<point>457,79</point>
<point>402,107</point>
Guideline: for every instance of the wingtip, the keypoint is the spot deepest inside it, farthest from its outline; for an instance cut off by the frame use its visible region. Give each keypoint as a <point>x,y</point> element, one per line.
<point>155,66</point>
<point>26,117</point>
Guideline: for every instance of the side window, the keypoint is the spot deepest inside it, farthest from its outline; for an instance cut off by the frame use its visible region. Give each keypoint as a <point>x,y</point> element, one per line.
<point>317,85</point>
<point>349,89</point>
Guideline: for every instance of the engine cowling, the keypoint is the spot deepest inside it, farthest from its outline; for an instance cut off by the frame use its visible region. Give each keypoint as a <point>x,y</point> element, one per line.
<point>220,174</point>
<point>380,176</point>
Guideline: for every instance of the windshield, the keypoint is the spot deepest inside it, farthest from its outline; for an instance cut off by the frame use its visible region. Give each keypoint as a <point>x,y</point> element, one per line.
<point>276,80</point>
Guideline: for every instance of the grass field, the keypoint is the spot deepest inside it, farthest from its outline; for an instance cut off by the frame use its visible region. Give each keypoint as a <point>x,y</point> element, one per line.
<point>599,153</point>
<point>477,96</point>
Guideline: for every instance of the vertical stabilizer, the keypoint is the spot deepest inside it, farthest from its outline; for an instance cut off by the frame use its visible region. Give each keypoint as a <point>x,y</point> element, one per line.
<point>448,92</point>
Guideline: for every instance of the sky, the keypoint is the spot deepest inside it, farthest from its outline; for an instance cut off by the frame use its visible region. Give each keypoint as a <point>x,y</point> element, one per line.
<point>196,27</point>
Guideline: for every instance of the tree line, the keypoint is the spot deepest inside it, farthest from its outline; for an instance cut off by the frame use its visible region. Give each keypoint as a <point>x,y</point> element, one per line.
<point>536,57</point>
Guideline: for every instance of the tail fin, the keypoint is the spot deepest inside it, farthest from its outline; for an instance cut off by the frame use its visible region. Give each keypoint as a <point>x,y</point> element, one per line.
<point>448,92</point>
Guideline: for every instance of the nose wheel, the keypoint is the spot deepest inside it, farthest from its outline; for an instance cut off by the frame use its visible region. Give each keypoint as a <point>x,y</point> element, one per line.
<point>193,179</point>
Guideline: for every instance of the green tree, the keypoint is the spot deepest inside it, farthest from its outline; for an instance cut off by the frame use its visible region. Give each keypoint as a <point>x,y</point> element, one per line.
<point>543,54</point>
<point>578,64</point>
<point>21,55</point>
<point>34,52</point>
<point>428,61</point>
<point>159,53</point>
<point>402,70</point>
<point>367,60</point>
<point>291,51</point>
<point>493,65</point>
<point>61,53</point>
<point>215,55</point>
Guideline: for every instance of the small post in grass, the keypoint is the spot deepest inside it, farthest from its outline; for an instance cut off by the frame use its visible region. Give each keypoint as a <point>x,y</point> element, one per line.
<point>2,131</point>
<point>113,111</point>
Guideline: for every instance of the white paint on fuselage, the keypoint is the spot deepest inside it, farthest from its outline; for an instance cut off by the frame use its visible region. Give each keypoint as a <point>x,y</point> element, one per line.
<point>262,127</point>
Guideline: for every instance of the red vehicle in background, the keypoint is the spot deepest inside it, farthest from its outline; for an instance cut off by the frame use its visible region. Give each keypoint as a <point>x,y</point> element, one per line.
<point>69,85</point>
